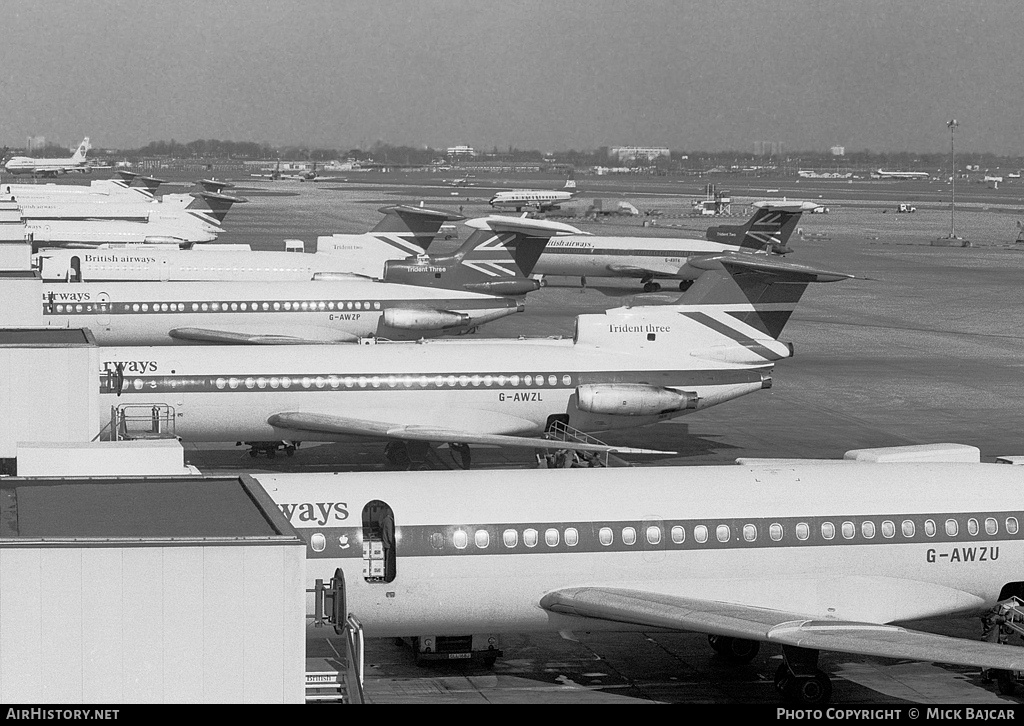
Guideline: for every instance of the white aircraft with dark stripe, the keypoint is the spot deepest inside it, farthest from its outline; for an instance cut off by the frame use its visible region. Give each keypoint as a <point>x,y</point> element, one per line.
<point>624,368</point>
<point>333,310</point>
<point>663,258</point>
<point>128,187</point>
<point>809,556</point>
<point>403,227</point>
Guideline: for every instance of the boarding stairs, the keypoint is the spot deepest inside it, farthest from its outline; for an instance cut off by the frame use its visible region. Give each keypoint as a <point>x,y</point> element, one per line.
<point>571,459</point>
<point>339,678</point>
<point>134,421</point>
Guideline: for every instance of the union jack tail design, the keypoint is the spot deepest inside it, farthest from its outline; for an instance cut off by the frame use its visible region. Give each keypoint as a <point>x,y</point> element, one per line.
<point>768,229</point>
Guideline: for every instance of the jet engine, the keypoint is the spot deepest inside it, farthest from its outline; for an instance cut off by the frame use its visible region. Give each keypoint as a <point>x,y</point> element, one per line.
<point>412,319</point>
<point>632,399</point>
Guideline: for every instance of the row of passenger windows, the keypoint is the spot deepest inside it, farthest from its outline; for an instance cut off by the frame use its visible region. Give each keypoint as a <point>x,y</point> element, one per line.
<point>336,382</point>
<point>216,307</point>
<point>724,533</point>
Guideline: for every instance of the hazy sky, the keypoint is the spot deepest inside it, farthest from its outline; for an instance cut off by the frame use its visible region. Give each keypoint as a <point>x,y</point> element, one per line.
<point>544,74</point>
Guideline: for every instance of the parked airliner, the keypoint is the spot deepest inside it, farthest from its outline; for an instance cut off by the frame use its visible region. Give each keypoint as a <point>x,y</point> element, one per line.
<point>902,174</point>
<point>404,230</point>
<point>51,167</point>
<point>129,186</point>
<point>624,368</point>
<point>336,310</point>
<point>809,556</point>
<point>578,254</point>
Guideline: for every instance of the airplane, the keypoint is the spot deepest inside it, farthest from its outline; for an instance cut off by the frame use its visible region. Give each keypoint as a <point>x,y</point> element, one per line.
<point>51,167</point>
<point>902,174</point>
<point>579,254</point>
<point>130,186</point>
<point>497,258</point>
<point>539,199</point>
<point>624,368</point>
<point>199,222</point>
<point>404,230</point>
<point>208,206</point>
<point>767,231</point>
<point>331,310</point>
<point>810,555</point>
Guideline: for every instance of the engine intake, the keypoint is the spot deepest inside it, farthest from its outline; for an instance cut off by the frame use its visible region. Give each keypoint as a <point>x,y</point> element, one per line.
<point>410,319</point>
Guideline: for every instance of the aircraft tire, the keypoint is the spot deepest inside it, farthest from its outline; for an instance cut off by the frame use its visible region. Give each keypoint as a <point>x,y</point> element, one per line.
<point>814,690</point>
<point>652,287</point>
<point>684,285</point>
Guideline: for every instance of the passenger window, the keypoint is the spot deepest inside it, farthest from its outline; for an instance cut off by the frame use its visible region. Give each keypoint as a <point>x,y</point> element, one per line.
<point>628,535</point>
<point>1011,525</point>
<point>749,532</point>
<point>530,537</point>
<point>775,531</point>
<point>888,529</point>
<point>551,537</point>
<point>803,531</point>
<point>849,530</point>
<point>929,527</point>
<point>572,537</point>
<point>951,527</point>
<point>908,528</point>
<point>991,526</point>
<point>972,527</point>
<point>700,533</point>
<point>482,539</point>
<point>867,530</point>
<point>678,535</point>
<point>460,539</point>
<point>604,536</point>
<point>723,533</point>
<point>653,535</point>
<point>828,530</point>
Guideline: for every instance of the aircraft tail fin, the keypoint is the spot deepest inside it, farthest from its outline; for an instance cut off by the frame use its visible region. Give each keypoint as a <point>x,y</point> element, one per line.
<point>209,204</point>
<point>757,290</point>
<point>508,246</point>
<point>83,149</point>
<point>769,228</point>
<point>417,224</point>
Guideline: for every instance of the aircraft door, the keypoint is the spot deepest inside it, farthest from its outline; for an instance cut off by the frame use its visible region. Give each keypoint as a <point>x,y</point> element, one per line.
<point>75,269</point>
<point>103,308</point>
<point>165,269</point>
<point>379,542</point>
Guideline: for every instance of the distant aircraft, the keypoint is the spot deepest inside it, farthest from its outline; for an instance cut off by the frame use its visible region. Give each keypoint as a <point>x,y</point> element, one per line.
<point>623,368</point>
<point>538,199</point>
<point>497,258</point>
<point>652,258</point>
<point>128,187</point>
<point>330,310</point>
<point>902,174</point>
<point>811,556</point>
<point>51,167</point>
<point>200,221</point>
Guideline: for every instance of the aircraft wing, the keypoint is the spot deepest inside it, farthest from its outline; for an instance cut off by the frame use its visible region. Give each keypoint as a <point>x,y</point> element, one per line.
<point>488,429</point>
<point>229,337</point>
<point>735,620</point>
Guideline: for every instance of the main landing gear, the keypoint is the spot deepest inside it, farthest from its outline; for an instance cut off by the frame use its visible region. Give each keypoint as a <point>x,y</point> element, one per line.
<point>419,455</point>
<point>799,679</point>
<point>735,650</point>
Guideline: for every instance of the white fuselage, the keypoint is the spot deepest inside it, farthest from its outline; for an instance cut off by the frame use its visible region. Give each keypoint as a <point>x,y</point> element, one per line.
<point>146,313</point>
<point>477,550</point>
<point>186,230</point>
<point>578,255</point>
<point>500,386</point>
<point>523,198</point>
<point>99,191</point>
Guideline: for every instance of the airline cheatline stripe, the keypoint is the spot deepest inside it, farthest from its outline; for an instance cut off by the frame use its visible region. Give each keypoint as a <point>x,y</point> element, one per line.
<point>567,248</point>
<point>746,341</point>
<point>401,244</point>
<point>140,307</point>
<point>491,269</point>
<point>941,539</point>
<point>522,384</point>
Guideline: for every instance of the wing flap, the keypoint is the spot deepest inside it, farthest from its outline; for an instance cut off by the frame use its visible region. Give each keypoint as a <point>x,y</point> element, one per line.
<point>329,423</point>
<point>660,610</point>
<point>229,337</point>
